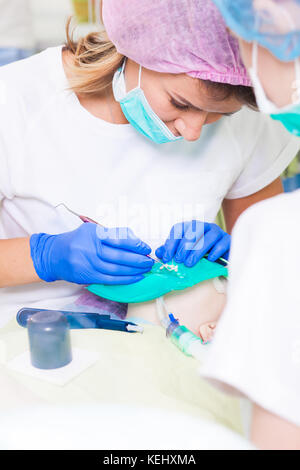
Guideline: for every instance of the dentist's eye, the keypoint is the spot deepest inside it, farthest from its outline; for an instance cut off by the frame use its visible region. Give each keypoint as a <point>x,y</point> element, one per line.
<point>183,107</point>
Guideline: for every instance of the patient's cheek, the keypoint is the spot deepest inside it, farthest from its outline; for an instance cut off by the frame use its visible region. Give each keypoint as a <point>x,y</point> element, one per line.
<point>196,306</point>
<point>199,305</point>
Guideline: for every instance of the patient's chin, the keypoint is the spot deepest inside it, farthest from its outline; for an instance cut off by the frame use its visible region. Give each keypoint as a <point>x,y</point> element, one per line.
<point>207,331</point>
<point>194,307</point>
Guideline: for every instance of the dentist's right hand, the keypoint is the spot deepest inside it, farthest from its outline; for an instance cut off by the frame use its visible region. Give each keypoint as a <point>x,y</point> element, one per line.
<point>91,255</point>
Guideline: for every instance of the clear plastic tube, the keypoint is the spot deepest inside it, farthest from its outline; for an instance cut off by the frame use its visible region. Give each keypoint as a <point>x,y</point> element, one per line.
<point>181,337</point>
<point>162,312</point>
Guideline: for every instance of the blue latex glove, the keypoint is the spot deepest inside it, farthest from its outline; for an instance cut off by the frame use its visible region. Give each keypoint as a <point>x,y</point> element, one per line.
<point>189,242</point>
<point>89,255</point>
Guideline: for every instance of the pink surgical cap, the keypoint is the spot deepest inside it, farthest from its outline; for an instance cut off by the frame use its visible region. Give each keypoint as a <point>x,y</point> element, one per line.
<point>176,36</point>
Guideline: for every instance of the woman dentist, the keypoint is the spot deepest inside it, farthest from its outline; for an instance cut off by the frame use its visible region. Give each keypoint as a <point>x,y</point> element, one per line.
<point>256,351</point>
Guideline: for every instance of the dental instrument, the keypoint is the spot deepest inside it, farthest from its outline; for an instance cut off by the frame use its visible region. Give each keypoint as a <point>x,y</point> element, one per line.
<point>85,220</point>
<point>222,261</point>
<point>79,320</point>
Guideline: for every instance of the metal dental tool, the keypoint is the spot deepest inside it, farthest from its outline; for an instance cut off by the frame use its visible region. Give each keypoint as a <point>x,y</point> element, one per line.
<point>85,220</point>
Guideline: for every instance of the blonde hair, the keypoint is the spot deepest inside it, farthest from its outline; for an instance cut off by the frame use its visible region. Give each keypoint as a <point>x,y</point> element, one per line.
<point>95,61</point>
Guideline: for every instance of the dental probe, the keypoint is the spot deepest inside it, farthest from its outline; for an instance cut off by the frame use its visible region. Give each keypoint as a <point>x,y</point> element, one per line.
<point>85,220</point>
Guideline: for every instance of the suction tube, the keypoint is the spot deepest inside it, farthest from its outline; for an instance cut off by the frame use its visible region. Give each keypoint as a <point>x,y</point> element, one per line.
<point>181,337</point>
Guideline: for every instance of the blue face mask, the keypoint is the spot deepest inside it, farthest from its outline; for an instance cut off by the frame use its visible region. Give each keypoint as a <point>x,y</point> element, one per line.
<point>138,111</point>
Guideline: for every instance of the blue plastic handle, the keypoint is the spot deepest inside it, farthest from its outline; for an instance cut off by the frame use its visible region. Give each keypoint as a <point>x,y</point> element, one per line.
<point>78,320</point>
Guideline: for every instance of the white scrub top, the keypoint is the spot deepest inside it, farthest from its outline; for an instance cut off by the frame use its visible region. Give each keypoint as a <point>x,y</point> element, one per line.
<point>53,151</point>
<point>256,351</point>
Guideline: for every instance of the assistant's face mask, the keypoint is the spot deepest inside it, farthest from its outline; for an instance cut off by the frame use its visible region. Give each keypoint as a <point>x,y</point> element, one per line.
<point>289,115</point>
<point>138,111</point>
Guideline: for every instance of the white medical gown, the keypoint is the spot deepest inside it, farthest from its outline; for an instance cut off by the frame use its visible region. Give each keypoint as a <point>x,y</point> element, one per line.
<point>256,351</point>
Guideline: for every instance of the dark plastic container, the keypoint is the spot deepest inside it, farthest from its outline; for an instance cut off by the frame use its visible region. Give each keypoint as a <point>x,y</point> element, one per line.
<point>49,340</point>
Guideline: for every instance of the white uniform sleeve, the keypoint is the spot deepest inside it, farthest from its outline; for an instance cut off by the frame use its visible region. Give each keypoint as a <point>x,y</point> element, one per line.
<point>256,350</point>
<point>266,149</point>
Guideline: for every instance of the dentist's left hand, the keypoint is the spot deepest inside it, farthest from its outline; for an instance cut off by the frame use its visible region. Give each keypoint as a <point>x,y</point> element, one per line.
<point>91,255</point>
<point>189,242</point>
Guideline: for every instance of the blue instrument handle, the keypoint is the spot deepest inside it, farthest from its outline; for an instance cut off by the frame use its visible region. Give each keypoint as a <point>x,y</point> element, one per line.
<point>78,320</point>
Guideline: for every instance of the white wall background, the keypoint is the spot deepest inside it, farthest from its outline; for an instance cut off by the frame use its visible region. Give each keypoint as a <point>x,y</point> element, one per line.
<point>49,17</point>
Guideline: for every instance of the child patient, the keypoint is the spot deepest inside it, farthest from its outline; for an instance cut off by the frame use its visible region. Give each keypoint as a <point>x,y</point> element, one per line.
<point>198,308</point>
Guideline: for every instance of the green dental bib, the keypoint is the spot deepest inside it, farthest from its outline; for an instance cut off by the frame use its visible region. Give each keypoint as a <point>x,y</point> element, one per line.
<point>159,282</point>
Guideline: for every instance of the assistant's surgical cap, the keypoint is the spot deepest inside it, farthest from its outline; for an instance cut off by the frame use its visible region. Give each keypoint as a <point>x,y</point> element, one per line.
<point>274,24</point>
<point>176,36</point>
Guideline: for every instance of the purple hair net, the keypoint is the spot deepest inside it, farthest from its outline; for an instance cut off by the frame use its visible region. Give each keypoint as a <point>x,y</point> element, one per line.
<point>176,36</point>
